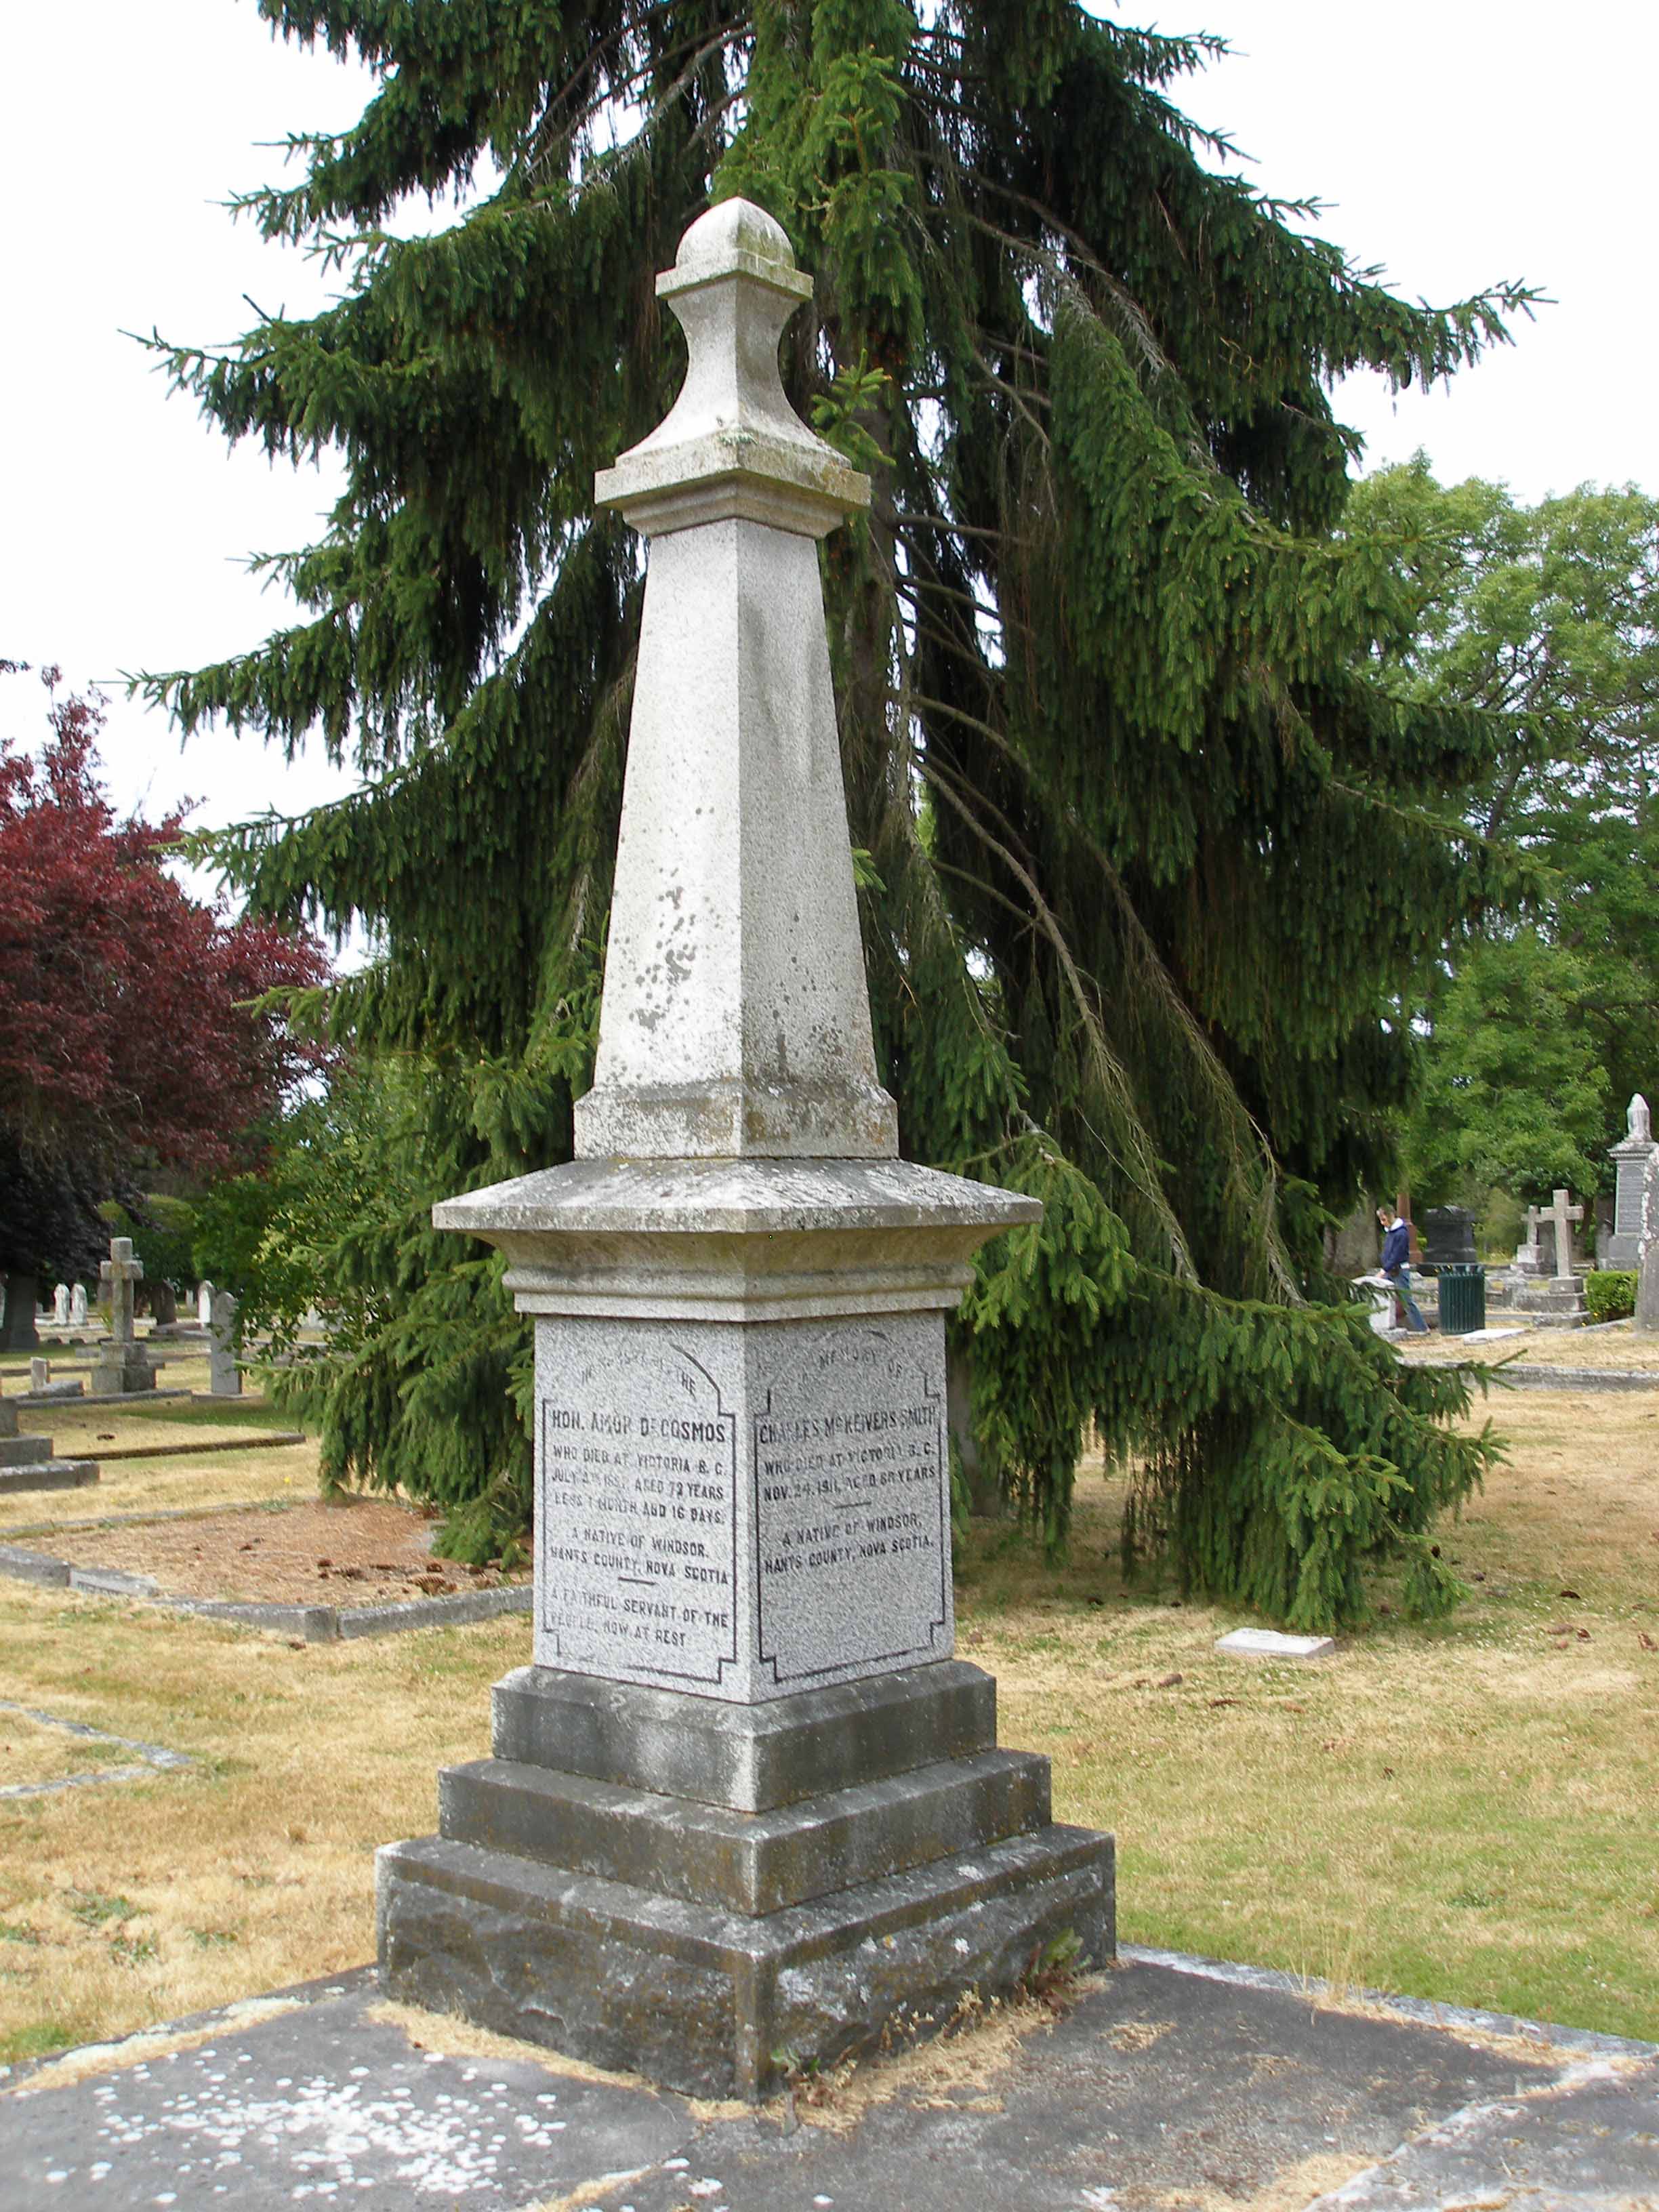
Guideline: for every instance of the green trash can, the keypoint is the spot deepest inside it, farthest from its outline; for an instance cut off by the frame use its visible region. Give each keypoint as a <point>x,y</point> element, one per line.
<point>1462,1299</point>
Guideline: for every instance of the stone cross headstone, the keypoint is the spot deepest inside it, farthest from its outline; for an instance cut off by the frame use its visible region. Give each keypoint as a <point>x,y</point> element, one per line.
<point>121,1274</point>
<point>1561,1214</point>
<point>77,1305</point>
<point>1631,1157</point>
<point>224,1376</point>
<point>60,1306</point>
<point>744,1627</point>
<point>120,1366</point>
<point>204,1304</point>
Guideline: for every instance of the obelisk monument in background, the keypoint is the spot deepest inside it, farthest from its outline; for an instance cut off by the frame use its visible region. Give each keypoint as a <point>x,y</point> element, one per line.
<point>746,1800</point>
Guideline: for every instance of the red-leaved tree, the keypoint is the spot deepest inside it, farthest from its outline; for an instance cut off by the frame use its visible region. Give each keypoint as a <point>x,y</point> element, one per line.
<point>128,1032</point>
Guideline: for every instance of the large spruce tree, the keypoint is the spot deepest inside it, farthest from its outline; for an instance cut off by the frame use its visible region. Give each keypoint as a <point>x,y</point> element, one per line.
<point>1145,855</point>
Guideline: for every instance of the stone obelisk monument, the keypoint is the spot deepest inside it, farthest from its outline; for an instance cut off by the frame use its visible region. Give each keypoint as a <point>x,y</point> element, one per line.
<point>746,1801</point>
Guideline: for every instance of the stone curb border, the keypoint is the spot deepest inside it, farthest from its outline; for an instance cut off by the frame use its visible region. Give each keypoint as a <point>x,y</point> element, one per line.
<point>314,1624</point>
<point>1582,1378</point>
<point>1422,2012</point>
<point>154,1758</point>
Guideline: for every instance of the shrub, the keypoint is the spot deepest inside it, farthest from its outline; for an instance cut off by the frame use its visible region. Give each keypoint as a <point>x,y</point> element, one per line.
<point>1610,1294</point>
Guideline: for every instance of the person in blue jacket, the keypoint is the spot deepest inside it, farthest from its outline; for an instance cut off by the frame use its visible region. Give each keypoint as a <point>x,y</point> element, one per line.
<point>1395,1268</point>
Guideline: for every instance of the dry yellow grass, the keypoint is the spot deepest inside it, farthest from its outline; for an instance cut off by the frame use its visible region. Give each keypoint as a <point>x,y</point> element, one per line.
<point>1621,1347</point>
<point>162,1486</point>
<point>33,1751</point>
<point>255,1868</point>
<point>1465,1811</point>
<point>85,1431</point>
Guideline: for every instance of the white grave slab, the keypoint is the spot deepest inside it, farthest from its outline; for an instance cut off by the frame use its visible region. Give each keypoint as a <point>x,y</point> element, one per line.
<point>1270,1643</point>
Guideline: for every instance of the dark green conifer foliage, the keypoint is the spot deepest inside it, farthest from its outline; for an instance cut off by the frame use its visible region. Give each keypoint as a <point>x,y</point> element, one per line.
<point>1145,858</point>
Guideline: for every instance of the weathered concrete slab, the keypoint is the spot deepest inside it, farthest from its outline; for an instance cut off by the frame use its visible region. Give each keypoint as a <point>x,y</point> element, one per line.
<point>1176,2080</point>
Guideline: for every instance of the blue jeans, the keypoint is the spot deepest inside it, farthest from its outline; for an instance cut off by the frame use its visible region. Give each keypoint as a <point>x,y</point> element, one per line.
<point>1400,1283</point>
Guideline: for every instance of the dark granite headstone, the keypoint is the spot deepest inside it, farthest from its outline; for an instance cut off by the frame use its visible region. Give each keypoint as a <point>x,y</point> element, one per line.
<point>1449,1237</point>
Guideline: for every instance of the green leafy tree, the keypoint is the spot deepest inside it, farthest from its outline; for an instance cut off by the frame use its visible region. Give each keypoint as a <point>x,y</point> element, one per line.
<point>1149,845</point>
<point>1547,616</point>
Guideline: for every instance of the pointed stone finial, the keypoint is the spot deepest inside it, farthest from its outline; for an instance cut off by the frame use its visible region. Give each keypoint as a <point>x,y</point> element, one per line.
<point>733,445</point>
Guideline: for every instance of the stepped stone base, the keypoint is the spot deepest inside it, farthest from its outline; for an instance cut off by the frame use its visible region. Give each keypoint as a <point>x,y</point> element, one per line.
<point>708,2002</point>
<point>664,1883</point>
<point>121,1371</point>
<point>1551,1301</point>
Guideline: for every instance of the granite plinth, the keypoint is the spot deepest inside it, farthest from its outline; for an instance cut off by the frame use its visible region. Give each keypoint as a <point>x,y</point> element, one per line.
<point>742,1512</point>
<point>751,1758</point>
<point>707,2000</point>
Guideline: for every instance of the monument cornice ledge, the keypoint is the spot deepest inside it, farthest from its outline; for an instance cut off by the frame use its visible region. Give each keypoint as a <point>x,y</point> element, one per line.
<point>738,471</point>
<point>735,1198</point>
<point>734,261</point>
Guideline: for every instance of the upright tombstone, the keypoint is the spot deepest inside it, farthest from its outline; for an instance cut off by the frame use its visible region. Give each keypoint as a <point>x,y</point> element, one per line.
<point>60,1306</point>
<point>746,1801</point>
<point>118,1365</point>
<point>205,1304</point>
<point>224,1376</point>
<point>1629,1158</point>
<point>17,1329</point>
<point>1449,1237</point>
<point>77,1305</point>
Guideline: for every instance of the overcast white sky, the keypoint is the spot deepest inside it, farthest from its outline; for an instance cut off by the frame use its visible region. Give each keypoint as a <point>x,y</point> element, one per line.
<point>1456,142</point>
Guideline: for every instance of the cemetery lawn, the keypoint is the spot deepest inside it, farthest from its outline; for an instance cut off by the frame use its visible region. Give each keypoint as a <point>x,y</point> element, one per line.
<point>1620,1346</point>
<point>1465,1811</point>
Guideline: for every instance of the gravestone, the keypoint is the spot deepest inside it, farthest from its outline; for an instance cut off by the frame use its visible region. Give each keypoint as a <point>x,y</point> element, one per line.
<point>224,1376</point>
<point>28,1462</point>
<point>77,1305</point>
<point>746,1801</point>
<point>1630,1157</point>
<point>204,1304</point>
<point>1351,1248</point>
<point>119,1365</point>
<point>1557,1300</point>
<point>1449,1237</point>
<point>1535,1256</point>
<point>1647,1260</point>
<point>40,1375</point>
<point>60,1306</point>
<point>17,1329</point>
<point>1561,1214</point>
